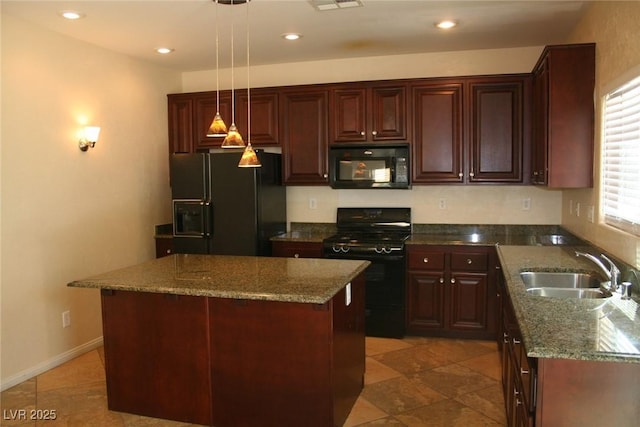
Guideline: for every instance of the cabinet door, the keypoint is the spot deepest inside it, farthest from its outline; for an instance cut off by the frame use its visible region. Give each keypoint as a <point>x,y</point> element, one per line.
<point>297,249</point>
<point>205,107</point>
<point>349,114</point>
<point>468,301</point>
<point>304,130</point>
<point>497,129</point>
<point>437,133</point>
<point>425,302</point>
<point>388,113</point>
<point>180,109</point>
<point>264,116</point>
<point>569,106</point>
<point>540,124</point>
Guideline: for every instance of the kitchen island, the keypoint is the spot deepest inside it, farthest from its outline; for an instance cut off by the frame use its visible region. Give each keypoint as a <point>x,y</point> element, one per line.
<point>228,340</point>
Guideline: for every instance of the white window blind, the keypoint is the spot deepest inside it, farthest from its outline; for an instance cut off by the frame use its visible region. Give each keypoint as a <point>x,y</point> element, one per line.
<point>621,158</point>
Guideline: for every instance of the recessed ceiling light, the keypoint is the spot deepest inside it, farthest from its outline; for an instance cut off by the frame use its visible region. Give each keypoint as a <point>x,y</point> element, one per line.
<point>445,25</point>
<point>71,14</point>
<point>164,50</point>
<point>291,36</point>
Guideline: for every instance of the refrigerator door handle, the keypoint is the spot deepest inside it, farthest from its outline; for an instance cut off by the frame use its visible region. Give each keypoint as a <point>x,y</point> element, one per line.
<point>208,218</point>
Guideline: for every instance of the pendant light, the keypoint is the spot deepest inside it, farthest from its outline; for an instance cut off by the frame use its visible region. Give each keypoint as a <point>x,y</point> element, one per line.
<point>218,128</point>
<point>249,157</point>
<point>233,138</point>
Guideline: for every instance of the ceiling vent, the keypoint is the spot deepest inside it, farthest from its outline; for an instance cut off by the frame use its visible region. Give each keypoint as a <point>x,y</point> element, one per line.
<point>323,5</point>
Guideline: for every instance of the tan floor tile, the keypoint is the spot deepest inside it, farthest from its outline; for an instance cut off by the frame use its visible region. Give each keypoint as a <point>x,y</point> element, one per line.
<point>363,412</point>
<point>488,401</point>
<point>376,372</point>
<point>376,345</point>
<point>447,413</point>
<point>487,364</point>
<point>453,380</point>
<point>413,359</point>
<point>399,395</point>
<point>85,369</point>
<point>17,404</point>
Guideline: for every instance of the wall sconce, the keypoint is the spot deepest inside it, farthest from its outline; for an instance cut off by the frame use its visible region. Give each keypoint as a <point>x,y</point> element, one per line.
<point>89,137</point>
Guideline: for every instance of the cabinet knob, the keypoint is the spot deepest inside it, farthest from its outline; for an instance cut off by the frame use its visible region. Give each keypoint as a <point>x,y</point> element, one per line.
<point>469,261</point>
<point>168,251</point>
<point>460,175</point>
<point>362,133</point>
<point>471,174</point>
<point>442,280</point>
<point>374,133</point>
<point>296,255</point>
<point>453,280</point>
<point>425,260</point>
<point>325,176</point>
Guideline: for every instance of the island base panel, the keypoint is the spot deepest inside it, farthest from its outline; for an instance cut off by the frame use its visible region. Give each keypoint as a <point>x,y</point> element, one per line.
<point>157,355</point>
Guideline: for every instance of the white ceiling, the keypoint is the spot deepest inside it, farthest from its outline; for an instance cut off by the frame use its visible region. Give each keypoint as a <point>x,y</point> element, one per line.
<point>379,27</point>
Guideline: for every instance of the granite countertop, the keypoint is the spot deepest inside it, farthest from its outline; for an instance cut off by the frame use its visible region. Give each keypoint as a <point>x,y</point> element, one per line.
<point>303,280</point>
<point>585,329</point>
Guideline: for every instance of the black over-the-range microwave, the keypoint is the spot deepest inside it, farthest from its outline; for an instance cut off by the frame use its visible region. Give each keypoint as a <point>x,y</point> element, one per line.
<point>369,166</point>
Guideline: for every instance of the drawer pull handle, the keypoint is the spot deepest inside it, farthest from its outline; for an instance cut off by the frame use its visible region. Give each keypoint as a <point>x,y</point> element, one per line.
<point>425,260</point>
<point>516,341</point>
<point>524,371</point>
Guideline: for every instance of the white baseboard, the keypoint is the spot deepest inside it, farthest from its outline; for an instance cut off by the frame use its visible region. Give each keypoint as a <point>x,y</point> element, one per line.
<point>50,364</point>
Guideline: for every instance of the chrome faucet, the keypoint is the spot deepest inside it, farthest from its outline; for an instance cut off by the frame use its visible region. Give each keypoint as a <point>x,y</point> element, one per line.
<point>612,273</point>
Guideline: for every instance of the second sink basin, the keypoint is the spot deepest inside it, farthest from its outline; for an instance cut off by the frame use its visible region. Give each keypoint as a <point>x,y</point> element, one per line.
<point>554,279</point>
<point>589,293</point>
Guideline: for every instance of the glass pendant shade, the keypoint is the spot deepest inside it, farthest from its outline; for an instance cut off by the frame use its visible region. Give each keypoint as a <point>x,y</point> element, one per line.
<point>233,138</point>
<point>249,158</point>
<point>218,128</point>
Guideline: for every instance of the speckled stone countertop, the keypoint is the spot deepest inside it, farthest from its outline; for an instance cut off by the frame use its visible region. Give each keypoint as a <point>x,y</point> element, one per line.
<point>586,329</point>
<point>313,281</point>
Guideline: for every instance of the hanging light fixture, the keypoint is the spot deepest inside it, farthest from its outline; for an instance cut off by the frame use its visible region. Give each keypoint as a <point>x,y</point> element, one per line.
<point>218,128</point>
<point>249,157</point>
<point>233,138</point>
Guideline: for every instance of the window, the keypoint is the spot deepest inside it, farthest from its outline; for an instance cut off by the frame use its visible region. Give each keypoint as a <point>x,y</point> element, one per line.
<point>621,158</point>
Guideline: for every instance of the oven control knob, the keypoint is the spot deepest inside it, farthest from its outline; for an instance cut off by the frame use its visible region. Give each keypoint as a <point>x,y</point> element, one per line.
<point>335,248</point>
<point>345,249</point>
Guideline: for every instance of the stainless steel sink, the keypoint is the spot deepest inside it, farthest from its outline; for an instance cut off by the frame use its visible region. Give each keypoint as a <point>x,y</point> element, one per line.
<point>580,293</point>
<point>564,284</point>
<point>555,279</point>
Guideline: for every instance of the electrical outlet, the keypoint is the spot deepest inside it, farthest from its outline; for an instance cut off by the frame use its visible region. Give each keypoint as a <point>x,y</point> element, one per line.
<point>66,319</point>
<point>578,209</point>
<point>313,203</point>
<point>591,214</point>
<point>442,204</point>
<point>526,204</point>
<point>570,207</point>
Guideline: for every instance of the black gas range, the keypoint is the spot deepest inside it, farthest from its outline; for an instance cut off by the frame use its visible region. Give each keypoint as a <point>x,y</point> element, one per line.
<point>377,235</point>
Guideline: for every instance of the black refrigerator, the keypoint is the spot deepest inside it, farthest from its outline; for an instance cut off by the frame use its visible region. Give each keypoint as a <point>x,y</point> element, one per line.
<point>219,208</point>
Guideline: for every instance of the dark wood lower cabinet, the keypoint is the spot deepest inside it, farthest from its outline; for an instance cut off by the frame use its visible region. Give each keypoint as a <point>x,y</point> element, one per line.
<point>227,362</point>
<point>545,392</point>
<point>451,291</point>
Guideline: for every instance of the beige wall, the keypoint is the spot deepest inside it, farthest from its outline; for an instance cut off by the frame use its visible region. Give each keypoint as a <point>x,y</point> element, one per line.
<point>68,214</point>
<point>465,204</point>
<point>614,26</point>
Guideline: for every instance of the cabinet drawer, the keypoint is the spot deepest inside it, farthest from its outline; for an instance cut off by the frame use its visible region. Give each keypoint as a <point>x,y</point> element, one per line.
<point>469,261</point>
<point>425,260</point>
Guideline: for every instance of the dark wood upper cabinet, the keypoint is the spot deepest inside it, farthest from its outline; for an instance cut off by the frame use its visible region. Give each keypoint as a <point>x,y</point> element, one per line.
<point>304,131</point>
<point>369,112</point>
<point>471,130</point>
<point>180,111</point>
<point>563,116</point>
<point>264,116</point>
<point>499,130</point>
<point>437,132</point>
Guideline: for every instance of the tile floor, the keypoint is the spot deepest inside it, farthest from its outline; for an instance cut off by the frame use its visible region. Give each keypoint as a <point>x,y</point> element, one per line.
<point>416,381</point>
